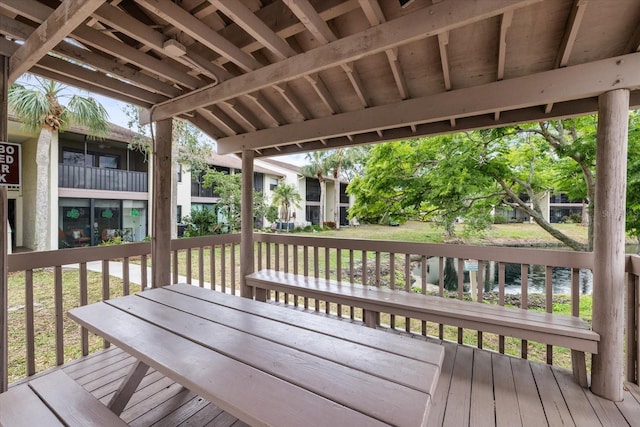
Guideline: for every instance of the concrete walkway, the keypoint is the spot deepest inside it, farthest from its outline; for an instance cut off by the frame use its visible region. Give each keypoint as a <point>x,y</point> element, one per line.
<point>135,272</point>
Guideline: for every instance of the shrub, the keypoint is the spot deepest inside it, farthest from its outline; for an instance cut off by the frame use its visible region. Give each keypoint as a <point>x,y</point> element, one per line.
<point>575,218</point>
<point>330,225</point>
<point>500,219</point>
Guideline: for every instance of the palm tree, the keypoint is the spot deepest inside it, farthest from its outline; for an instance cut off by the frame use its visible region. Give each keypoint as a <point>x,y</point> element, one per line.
<point>317,168</point>
<point>286,195</point>
<point>39,108</point>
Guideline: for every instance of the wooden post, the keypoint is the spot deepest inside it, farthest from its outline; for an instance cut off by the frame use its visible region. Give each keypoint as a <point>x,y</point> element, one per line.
<point>161,227</point>
<point>608,245</point>
<point>246,236</point>
<point>4,280</point>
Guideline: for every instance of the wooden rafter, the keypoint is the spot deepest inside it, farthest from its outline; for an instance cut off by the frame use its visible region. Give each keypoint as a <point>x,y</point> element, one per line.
<point>293,100</point>
<point>267,108</point>
<point>569,37</point>
<point>375,16</point>
<point>443,42</point>
<point>38,12</point>
<point>180,18</point>
<point>53,30</point>
<point>577,82</point>
<point>321,31</point>
<point>505,23</point>
<point>153,39</point>
<point>408,28</point>
<point>254,26</point>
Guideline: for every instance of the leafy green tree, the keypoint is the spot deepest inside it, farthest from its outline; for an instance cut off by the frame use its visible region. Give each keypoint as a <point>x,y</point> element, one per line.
<point>465,175</point>
<point>317,167</point>
<point>44,107</point>
<point>285,195</point>
<point>201,222</point>
<point>229,189</point>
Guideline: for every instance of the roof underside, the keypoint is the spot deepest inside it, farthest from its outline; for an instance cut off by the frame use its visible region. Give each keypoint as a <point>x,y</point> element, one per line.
<point>295,75</point>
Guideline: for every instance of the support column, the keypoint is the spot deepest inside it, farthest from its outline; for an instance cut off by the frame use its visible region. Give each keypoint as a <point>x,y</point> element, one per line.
<point>608,245</point>
<point>4,280</point>
<point>161,203</point>
<point>246,224</point>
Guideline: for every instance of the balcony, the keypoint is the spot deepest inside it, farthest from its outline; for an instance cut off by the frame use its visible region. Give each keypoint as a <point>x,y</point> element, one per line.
<point>90,178</point>
<point>490,383</point>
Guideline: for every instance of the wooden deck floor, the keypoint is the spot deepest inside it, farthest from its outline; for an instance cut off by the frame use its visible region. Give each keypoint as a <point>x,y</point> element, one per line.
<point>476,388</point>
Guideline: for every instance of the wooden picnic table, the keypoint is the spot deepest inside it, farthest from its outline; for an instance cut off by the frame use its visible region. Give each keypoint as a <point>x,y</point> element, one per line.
<point>266,364</point>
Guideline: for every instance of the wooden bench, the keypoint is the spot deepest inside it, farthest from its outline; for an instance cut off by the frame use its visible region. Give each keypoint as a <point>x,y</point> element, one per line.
<point>53,400</point>
<point>554,329</point>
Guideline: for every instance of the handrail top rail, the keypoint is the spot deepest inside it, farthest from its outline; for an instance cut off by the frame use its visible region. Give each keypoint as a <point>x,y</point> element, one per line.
<point>529,256</point>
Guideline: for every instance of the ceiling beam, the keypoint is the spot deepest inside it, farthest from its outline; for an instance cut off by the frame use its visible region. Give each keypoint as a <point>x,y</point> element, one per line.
<point>57,26</point>
<point>418,25</point>
<point>195,28</point>
<point>505,23</point>
<point>562,84</point>
<point>562,110</point>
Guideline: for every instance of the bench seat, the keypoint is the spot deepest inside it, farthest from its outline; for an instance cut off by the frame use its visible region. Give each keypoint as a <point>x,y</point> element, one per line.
<point>554,329</point>
<point>54,400</point>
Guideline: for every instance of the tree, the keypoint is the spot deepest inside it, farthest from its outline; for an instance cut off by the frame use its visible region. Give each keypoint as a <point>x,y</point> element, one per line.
<point>285,195</point>
<point>229,190</point>
<point>41,109</point>
<point>633,177</point>
<point>465,175</point>
<point>317,168</point>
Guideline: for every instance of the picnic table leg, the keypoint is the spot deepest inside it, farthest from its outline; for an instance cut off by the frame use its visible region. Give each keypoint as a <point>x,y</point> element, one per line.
<point>128,387</point>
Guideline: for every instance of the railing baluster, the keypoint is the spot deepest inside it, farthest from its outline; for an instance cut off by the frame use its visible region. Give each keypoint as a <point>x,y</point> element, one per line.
<point>233,268</point>
<point>460,292</point>
<point>423,279</point>
<point>316,273</point>
<point>441,261</point>
<point>392,283</point>
<point>277,256</point>
<point>575,292</point>
<point>223,268</point>
<point>268,256</point>
<point>377,269</point>
<point>125,276</point>
<point>143,266</point>
<point>188,266</point>
<point>339,274</point>
<point>548,304</point>
<point>201,266</point>
<point>480,283</point>
<point>30,332</point>
<point>84,300</point>
<point>212,261</point>
<point>59,309</point>
<point>351,308</point>
<point>286,268</point>
<point>295,270</point>
<point>631,327</point>
<point>327,274</point>
<point>306,270</point>
<point>407,286</point>
<point>175,267</point>
<point>501,274</point>
<point>524,301</point>
<point>106,291</point>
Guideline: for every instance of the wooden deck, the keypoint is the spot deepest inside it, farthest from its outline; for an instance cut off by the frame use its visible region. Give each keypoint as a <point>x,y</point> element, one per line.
<point>476,388</point>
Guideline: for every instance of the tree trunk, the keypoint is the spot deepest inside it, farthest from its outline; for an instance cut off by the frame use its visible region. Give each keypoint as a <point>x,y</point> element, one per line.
<point>43,158</point>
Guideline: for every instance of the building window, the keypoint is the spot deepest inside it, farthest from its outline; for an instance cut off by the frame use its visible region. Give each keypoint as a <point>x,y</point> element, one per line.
<point>313,214</point>
<point>78,158</point>
<point>179,172</point>
<point>313,190</point>
<point>179,214</point>
<point>273,184</point>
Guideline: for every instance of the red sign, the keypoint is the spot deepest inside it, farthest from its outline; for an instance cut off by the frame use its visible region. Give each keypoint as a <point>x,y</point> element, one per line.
<point>10,162</point>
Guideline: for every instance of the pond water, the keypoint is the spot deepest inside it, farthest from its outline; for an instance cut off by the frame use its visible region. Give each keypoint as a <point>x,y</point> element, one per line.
<point>561,277</point>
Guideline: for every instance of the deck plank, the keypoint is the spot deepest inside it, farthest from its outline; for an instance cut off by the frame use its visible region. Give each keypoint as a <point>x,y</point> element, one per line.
<point>482,401</point>
<point>555,408</point>
<point>629,408</point>
<point>608,412</point>
<point>165,409</point>
<point>531,410</point>
<point>507,411</point>
<point>203,416</point>
<point>581,410</point>
<point>460,390</point>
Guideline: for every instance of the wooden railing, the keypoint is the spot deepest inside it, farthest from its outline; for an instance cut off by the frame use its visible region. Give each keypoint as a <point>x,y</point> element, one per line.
<point>633,319</point>
<point>42,283</point>
<point>43,286</point>
<point>89,178</point>
<point>403,266</point>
